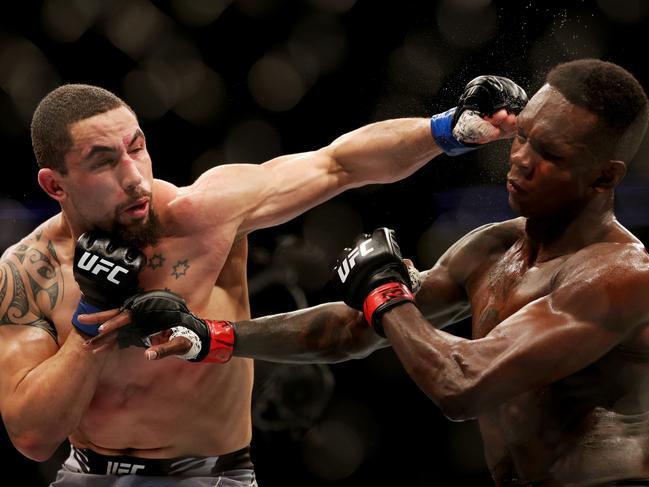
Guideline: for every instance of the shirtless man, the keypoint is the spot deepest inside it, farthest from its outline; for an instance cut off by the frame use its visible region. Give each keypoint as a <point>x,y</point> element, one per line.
<point>557,372</point>
<point>179,422</point>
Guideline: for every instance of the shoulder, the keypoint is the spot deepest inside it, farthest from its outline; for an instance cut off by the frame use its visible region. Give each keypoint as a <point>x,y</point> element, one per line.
<point>607,281</point>
<point>31,283</point>
<point>486,240</point>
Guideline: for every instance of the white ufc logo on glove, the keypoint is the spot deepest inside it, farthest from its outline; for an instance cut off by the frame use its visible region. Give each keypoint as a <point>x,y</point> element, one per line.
<point>349,262</point>
<point>88,260</point>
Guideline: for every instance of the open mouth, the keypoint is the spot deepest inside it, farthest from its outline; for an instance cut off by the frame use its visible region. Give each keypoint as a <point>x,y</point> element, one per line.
<point>139,209</point>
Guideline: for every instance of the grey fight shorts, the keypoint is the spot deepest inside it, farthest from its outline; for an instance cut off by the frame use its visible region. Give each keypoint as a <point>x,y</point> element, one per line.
<point>86,468</point>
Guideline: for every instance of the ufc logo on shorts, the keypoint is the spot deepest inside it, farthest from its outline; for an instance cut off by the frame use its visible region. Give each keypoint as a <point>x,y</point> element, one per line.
<point>350,261</point>
<point>88,262</point>
<point>119,468</point>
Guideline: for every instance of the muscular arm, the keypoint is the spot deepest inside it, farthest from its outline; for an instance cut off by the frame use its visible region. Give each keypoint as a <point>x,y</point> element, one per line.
<point>44,389</point>
<point>597,303</point>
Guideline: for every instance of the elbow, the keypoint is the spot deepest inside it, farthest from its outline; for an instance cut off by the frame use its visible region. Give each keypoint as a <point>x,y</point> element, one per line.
<point>454,396</point>
<point>35,443</point>
<point>34,446</point>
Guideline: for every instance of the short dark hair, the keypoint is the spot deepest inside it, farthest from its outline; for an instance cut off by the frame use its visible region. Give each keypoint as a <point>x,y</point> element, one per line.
<point>613,94</point>
<point>60,108</point>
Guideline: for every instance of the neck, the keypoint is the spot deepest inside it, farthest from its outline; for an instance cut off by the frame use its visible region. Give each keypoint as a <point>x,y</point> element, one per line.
<point>554,235</point>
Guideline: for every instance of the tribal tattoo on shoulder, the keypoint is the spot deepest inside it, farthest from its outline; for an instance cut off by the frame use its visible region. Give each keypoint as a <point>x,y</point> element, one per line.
<point>31,285</point>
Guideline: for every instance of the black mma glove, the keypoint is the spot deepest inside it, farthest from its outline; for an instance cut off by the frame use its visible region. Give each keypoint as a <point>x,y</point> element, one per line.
<point>107,273</point>
<point>484,95</point>
<point>371,277</point>
<point>155,311</point>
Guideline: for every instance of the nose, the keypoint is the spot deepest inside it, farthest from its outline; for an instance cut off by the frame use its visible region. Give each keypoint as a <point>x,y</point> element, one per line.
<point>521,158</point>
<point>131,176</point>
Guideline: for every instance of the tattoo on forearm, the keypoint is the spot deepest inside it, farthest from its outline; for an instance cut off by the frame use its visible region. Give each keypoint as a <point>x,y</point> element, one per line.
<point>180,268</point>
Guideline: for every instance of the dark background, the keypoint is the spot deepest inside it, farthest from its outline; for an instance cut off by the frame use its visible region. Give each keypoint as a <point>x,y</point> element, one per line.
<point>243,81</point>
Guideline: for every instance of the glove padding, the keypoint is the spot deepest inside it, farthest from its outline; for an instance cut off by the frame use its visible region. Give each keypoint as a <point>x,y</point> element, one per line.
<point>106,270</point>
<point>155,311</point>
<point>371,277</point>
<point>482,96</point>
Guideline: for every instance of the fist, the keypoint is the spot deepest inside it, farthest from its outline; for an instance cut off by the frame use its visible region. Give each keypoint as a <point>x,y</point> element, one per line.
<point>374,263</point>
<point>152,312</point>
<point>459,129</point>
<point>107,273</point>
<point>485,95</point>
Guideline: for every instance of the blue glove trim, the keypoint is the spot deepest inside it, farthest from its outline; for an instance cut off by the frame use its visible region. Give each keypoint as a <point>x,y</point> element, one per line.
<point>442,131</point>
<point>85,308</point>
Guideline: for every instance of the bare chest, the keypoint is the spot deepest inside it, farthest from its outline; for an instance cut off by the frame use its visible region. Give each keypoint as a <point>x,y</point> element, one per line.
<point>508,285</point>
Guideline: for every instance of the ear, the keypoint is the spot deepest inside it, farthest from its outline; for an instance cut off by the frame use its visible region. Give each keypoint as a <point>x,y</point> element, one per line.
<point>48,179</point>
<point>611,174</point>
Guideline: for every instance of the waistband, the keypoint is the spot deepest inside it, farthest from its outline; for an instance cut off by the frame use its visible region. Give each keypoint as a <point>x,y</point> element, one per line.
<point>85,460</point>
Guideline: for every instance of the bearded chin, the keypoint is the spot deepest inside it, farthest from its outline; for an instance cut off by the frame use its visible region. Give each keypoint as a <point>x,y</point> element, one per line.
<point>140,235</point>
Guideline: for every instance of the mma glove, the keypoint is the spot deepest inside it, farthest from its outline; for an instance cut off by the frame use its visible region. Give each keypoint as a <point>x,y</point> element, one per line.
<point>107,273</point>
<point>483,96</point>
<point>155,311</point>
<point>371,277</point>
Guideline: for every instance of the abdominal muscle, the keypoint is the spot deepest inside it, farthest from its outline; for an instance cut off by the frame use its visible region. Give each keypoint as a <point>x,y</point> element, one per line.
<point>168,408</point>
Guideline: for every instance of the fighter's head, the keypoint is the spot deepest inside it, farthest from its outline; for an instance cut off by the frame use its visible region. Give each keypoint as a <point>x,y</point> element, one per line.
<point>93,159</point>
<point>575,137</point>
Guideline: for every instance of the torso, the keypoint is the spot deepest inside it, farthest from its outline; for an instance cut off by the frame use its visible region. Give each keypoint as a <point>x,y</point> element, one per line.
<point>166,408</point>
<point>593,424</point>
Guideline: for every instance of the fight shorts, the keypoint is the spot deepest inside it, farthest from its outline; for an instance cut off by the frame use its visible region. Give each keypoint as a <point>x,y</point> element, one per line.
<point>85,467</point>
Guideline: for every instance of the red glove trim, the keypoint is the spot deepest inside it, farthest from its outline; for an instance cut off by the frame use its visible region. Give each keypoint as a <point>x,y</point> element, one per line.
<point>385,293</point>
<point>221,341</point>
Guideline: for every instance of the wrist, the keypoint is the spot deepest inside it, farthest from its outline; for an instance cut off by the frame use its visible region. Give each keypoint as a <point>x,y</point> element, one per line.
<point>441,128</point>
<point>383,298</point>
<point>86,308</point>
<point>221,343</point>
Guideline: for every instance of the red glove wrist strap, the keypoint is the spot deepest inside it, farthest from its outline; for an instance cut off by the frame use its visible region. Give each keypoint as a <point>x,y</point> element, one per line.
<point>221,341</point>
<point>384,293</point>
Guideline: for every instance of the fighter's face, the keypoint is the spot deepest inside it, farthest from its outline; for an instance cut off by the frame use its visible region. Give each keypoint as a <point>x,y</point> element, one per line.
<point>109,178</point>
<point>552,165</point>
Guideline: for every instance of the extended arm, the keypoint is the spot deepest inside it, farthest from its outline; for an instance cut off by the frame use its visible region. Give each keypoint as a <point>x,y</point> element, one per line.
<point>256,196</point>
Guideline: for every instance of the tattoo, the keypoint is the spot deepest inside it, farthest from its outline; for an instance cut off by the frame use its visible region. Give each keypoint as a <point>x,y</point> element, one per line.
<point>180,268</point>
<point>156,261</point>
<point>20,252</point>
<point>19,298</point>
<point>19,301</point>
<point>52,251</point>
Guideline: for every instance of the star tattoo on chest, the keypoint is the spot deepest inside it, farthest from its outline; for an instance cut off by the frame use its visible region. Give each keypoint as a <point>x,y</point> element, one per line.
<point>156,261</point>
<point>180,268</point>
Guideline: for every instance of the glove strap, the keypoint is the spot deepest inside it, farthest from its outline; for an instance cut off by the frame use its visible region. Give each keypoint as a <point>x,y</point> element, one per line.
<point>382,299</point>
<point>441,126</point>
<point>84,308</point>
<point>221,341</point>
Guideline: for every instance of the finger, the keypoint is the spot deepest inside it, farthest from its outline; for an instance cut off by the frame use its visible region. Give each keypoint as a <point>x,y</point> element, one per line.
<point>99,317</point>
<point>115,323</point>
<point>176,346</point>
<point>101,342</point>
<point>408,263</point>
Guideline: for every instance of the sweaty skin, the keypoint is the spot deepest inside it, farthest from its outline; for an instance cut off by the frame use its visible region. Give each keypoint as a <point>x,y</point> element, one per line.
<point>557,370</point>
<point>53,386</point>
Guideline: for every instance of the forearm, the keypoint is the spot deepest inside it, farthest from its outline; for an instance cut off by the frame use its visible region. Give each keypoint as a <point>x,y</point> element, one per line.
<point>48,403</point>
<point>322,334</point>
<point>385,151</point>
<point>437,361</point>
